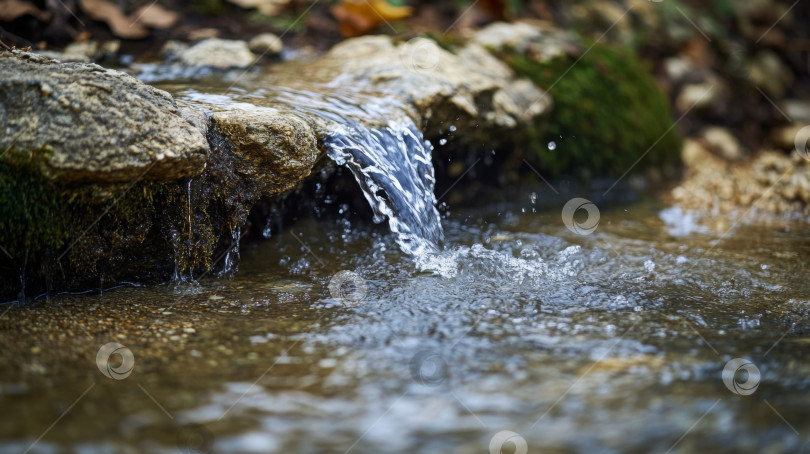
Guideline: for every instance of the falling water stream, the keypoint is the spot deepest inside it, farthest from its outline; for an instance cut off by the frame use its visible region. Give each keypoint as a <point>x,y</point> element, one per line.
<point>391,163</point>
<point>613,341</point>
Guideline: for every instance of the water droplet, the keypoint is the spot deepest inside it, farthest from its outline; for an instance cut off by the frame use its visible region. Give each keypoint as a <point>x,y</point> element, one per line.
<point>533,198</point>
<point>442,141</point>
<point>552,145</point>
<point>452,128</point>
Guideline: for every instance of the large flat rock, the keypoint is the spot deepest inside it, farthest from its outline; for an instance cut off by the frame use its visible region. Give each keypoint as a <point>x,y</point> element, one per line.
<point>95,125</point>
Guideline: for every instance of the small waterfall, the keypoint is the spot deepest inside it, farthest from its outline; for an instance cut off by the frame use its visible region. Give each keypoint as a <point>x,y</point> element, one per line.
<point>394,170</point>
<point>375,137</point>
<point>391,162</point>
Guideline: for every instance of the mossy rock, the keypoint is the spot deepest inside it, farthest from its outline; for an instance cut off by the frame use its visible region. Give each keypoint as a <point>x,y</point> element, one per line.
<point>55,236</point>
<point>31,210</point>
<point>608,113</point>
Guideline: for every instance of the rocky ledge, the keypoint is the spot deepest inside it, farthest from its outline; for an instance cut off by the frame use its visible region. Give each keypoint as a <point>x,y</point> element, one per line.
<point>106,179</point>
<point>104,176</point>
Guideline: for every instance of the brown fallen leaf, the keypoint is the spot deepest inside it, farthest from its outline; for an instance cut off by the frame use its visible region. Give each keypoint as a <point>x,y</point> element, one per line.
<point>12,9</point>
<point>357,17</point>
<point>267,7</point>
<point>121,25</point>
<point>155,16</point>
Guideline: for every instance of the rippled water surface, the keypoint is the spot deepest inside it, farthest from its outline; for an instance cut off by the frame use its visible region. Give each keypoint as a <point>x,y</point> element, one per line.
<point>610,342</point>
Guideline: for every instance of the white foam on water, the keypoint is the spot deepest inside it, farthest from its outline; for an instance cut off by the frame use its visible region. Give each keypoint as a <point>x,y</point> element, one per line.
<point>681,223</point>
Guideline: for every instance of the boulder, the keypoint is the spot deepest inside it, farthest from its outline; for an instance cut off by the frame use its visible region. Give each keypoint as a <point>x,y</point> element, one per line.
<point>97,125</point>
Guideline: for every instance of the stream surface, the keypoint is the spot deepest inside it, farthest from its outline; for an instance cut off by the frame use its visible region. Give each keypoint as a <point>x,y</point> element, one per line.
<point>609,342</point>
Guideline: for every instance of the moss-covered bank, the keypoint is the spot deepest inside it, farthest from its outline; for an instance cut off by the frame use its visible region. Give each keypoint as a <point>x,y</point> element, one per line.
<point>608,113</point>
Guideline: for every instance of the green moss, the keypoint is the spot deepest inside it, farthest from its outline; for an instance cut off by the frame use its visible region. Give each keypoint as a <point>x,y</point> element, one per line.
<point>608,112</point>
<point>289,21</point>
<point>77,237</point>
<point>31,210</point>
<point>210,7</point>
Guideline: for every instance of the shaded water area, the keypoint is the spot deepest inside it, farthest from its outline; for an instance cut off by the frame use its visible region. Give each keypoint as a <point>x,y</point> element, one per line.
<point>609,342</point>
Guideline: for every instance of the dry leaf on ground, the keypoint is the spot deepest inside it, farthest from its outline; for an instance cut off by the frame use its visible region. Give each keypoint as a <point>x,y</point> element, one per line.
<point>360,16</point>
<point>12,9</point>
<point>121,25</point>
<point>155,16</point>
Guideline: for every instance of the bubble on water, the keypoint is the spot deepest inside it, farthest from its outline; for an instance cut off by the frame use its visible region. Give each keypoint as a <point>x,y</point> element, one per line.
<point>442,141</point>
<point>552,145</point>
<point>348,287</point>
<point>533,197</point>
<point>452,128</point>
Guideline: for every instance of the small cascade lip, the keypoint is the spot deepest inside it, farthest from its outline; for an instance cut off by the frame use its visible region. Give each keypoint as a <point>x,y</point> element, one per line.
<point>394,170</point>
